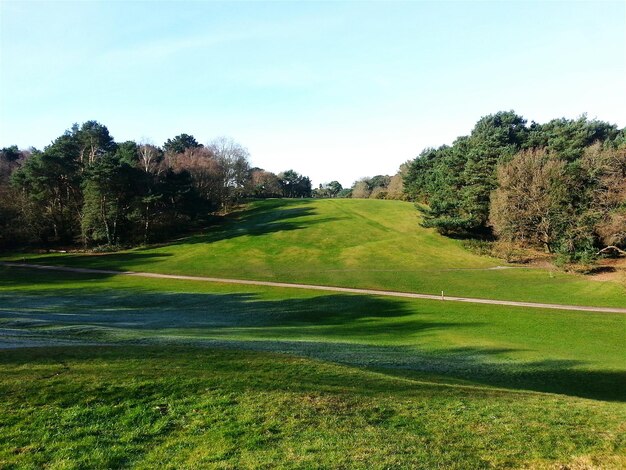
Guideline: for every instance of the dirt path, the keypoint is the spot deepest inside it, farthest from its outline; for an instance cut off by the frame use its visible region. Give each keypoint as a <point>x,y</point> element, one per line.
<point>346,290</point>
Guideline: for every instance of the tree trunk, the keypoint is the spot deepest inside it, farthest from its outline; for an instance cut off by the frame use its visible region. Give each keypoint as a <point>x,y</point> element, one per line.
<point>103,214</point>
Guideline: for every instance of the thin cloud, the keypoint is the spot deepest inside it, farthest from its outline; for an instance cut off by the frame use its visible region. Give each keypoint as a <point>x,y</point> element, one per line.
<point>162,49</point>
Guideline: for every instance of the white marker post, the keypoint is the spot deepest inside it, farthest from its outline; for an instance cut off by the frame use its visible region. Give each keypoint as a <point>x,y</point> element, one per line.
<point>441,295</point>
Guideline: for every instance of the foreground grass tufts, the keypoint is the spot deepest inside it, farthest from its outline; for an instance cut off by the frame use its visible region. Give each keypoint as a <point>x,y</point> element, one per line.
<point>185,408</point>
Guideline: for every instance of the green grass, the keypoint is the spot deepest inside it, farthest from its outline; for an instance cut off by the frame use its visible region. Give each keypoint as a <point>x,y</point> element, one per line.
<point>145,373</point>
<point>148,407</point>
<point>573,353</point>
<point>352,243</point>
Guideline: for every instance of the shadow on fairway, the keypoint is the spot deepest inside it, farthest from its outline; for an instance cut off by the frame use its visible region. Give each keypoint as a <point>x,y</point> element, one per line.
<point>362,331</point>
<point>258,371</point>
<point>106,261</point>
<point>272,216</point>
<point>477,366</point>
<point>204,313</point>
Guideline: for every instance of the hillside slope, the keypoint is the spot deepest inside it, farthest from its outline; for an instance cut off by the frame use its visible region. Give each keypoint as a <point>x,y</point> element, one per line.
<point>211,408</point>
<point>353,243</point>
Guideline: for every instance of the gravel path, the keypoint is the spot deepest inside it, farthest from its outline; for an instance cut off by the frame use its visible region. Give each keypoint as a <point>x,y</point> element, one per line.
<point>346,290</point>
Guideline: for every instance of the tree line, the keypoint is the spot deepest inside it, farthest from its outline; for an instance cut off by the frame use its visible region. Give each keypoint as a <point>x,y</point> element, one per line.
<point>375,187</point>
<point>560,186</point>
<point>86,188</point>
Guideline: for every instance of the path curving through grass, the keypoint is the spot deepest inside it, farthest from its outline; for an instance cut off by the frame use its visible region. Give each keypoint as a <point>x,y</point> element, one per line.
<point>346,290</point>
<point>349,243</point>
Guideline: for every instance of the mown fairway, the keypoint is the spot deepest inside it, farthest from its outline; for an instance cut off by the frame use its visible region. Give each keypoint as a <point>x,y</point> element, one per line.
<point>193,378</point>
<point>101,371</point>
<point>150,407</point>
<point>351,243</point>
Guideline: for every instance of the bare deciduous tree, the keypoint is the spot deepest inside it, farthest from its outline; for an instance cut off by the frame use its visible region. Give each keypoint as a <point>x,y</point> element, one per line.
<point>527,207</point>
<point>361,190</point>
<point>234,159</point>
<point>264,184</point>
<point>606,170</point>
<point>150,158</point>
<point>207,172</point>
<point>395,190</point>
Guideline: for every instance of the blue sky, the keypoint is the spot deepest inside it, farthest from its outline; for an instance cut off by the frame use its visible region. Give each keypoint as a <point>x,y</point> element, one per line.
<point>335,90</point>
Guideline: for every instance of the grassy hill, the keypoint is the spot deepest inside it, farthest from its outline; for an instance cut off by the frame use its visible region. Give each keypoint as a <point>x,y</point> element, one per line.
<point>350,243</point>
<point>574,353</point>
<point>135,372</point>
<point>108,371</point>
<point>178,408</point>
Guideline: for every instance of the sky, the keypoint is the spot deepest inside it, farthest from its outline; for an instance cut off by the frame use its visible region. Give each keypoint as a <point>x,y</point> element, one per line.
<point>334,90</point>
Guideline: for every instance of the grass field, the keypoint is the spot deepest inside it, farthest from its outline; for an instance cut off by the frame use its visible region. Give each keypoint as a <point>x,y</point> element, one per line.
<point>105,371</point>
<point>351,243</point>
<point>211,408</point>
<point>576,353</point>
<point>191,377</point>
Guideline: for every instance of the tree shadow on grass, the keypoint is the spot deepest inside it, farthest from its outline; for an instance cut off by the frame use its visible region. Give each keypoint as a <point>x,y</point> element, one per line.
<point>362,331</point>
<point>104,261</point>
<point>474,366</point>
<point>256,369</point>
<point>271,217</point>
<point>198,311</point>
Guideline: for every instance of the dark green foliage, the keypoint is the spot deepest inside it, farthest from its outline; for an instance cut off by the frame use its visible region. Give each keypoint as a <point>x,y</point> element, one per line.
<point>13,226</point>
<point>416,180</point>
<point>51,181</point>
<point>293,184</point>
<point>93,141</point>
<point>180,143</point>
<point>345,192</point>
<point>456,182</point>
<point>127,152</point>
<point>568,138</point>
<point>379,181</point>
<point>110,199</point>
<point>331,189</point>
<point>10,154</point>
<point>436,179</point>
<point>86,188</point>
<point>334,187</point>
